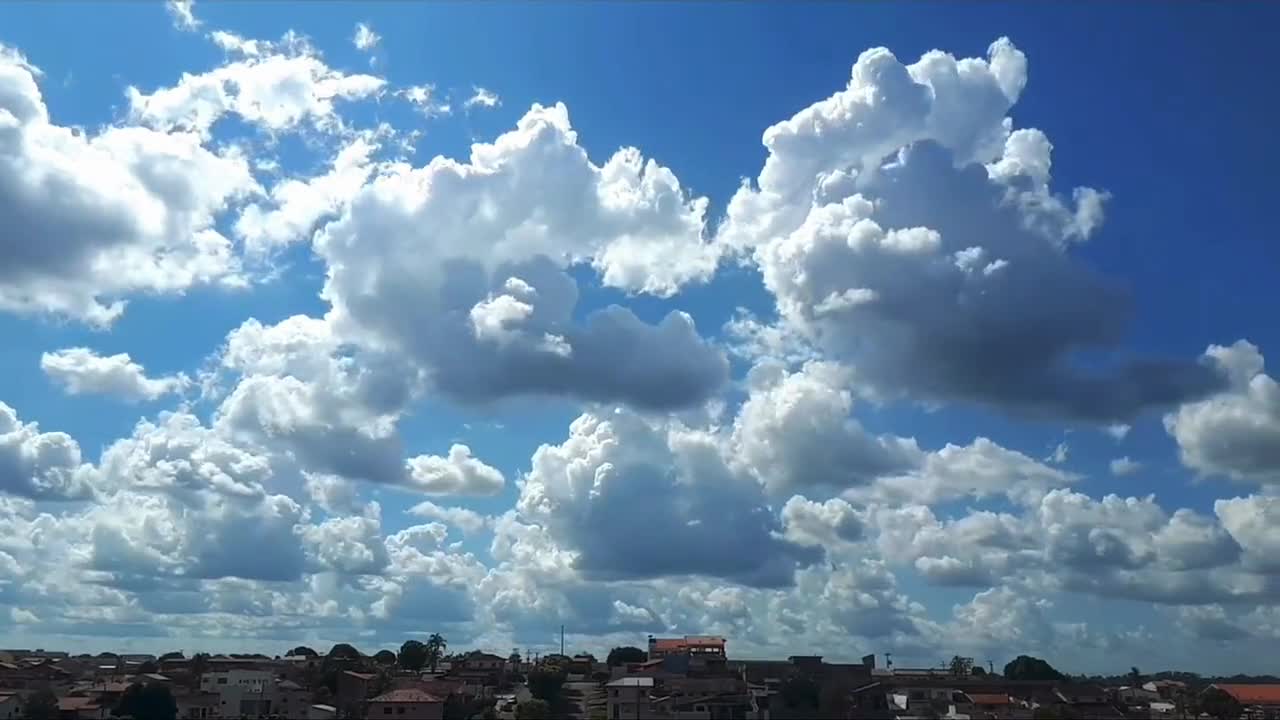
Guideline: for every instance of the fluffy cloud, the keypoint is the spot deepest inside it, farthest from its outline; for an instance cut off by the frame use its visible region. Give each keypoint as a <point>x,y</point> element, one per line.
<point>467,520</point>
<point>458,473</point>
<point>617,479</point>
<point>183,14</point>
<point>365,38</point>
<point>275,86</point>
<point>42,466</point>
<point>1122,466</point>
<point>82,371</point>
<point>1237,432</point>
<point>461,266</point>
<point>483,98</point>
<point>903,226</point>
<point>118,211</point>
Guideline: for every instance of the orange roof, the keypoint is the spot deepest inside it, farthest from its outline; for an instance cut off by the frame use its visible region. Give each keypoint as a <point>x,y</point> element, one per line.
<point>1253,694</point>
<point>687,642</point>
<point>989,699</point>
<point>69,704</point>
<point>406,695</point>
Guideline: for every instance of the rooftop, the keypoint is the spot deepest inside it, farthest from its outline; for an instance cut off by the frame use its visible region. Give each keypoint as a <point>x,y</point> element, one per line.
<point>1252,694</point>
<point>406,695</point>
<point>645,681</point>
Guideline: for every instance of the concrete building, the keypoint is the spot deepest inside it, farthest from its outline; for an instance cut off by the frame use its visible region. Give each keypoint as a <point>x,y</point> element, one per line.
<point>240,692</point>
<point>405,704</point>
<point>628,698</point>
<point>10,705</point>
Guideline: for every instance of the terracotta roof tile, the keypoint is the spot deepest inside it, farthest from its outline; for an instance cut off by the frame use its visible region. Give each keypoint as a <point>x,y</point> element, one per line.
<point>1253,694</point>
<point>406,695</point>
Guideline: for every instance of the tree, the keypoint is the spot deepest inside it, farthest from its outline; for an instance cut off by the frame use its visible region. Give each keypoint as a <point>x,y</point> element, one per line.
<point>514,657</point>
<point>384,657</point>
<point>42,705</point>
<point>545,682</point>
<point>435,646</point>
<point>1220,704</point>
<point>147,702</point>
<point>978,671</point>
<point>534,709</point>
<point>626,654</point>
<point>413,655</point>
<point>199,664</point>
<point>1135,677</point>
<point>343,651</point>
<point>175,655</point>
<point>149,666</point>
<point>1025,667</point>
<point>302,650</point>
<point>961,666</point>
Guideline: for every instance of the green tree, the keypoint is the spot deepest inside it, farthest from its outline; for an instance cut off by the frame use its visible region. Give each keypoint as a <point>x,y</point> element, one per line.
<point>436,645</point>
<point>1025,667</point>
<point>149,666</point>
<point>199,665</point>
<point>1135,677</point>
<point>534,709</point>
<point>175,655</point>
<point>961,666</point>
<point>343,651</point>
<point>147,702</point>
<point>384,657</point>
<point>1220,704</point>
<point>413,655</point>
<point>545,682</point>
<point>626,654</point>
<point>514,657</point>
<point>302,650</point>
<point>978,671</point>
<point>42,705</point>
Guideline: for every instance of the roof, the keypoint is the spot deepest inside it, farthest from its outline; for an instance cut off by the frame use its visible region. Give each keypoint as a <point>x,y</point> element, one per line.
<point>288,685</point>
<point>326,708</point>
<point>989,698</point>
<point>1252,694</point>
<point>645,681</point>
<point>362,676</point>
<point>73,703</point>
<point>406,695</point>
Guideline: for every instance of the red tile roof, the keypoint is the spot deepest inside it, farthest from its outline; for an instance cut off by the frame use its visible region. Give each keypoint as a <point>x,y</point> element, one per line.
<point>71,704</point>
<point>406,695</point>
<point>989,699</point>
<point>1253,694</point>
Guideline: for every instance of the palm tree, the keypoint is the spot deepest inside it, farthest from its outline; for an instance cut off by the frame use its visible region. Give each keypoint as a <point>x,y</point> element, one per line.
<point>436,645</point>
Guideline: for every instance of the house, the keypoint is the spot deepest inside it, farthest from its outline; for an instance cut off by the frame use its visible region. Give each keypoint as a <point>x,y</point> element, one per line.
<point>1137,696</point>
<point>406,704</point>
<point>697,645</point>
<point>992,705</point>
<point>80,707</point>
<point>322,712</point>
<point>240,692</point>
<point>10,705</point>
<point>1258,700</point>
<point>1166,689</point>
<point>483,662</point>
<point>354,687</point>
<point>628,698</point>
<point>197,705</point>
<point>290,699</point>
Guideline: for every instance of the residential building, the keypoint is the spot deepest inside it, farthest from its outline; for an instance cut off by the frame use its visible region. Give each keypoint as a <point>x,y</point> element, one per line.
<point>80,707</point>
<point>628,698</point>
<point>405,704</point>
<point>322,712</point>
<point>354,687</point>
<point>10,705</point>
<point>1261,701</point>
<point>694,645</point>
<point>197,705</point>
<point>240,692</point>
<point>1166,689</point>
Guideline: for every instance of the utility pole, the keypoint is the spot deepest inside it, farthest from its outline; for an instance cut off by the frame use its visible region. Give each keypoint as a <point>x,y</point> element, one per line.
<point>561,641</point>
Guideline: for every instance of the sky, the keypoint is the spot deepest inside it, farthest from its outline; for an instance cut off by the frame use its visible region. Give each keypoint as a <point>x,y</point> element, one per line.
<point>923,329</point>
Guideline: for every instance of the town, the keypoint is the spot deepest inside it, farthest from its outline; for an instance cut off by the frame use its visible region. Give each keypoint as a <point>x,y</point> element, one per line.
<point>690,677</point>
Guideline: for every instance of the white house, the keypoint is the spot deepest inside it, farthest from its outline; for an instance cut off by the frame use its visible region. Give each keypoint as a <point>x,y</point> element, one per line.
<point>629,698</point>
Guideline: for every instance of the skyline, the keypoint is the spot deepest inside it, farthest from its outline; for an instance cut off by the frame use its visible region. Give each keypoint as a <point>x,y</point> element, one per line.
<point>918,328</point>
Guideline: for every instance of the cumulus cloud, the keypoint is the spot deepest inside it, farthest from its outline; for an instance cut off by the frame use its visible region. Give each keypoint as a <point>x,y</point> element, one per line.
<point>277,86</point>
<point>482,98</point>
<point>1235,433</point>
<point>1124,466</point>
<point>617,478</point>
<point>458,473</point>
<point>119,211</point>
<point>423,257</point>
<point>40,465</point>
<point>82,371</point>
<point>902,225</point>
<point>467,520</point>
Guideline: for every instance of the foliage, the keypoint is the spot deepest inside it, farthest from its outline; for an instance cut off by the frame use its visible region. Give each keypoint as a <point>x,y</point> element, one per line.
<point>1219,704</point>
<point>978,671</point>
<point>1049,712</point>
<point>343,651</point>
<point>534,709</point>
<point>147,702</point>
<point>1025,667</point>
<point>1135,677</point>
<point>436,645</point>
<point>600,676</point>
<point>545,682</point>
<point>42,705</point>
<point>626,654</point>
<point>149,666</point>
<point>961,666</point>
<point>800,691</point>
<point>514,657</point>
<point>413,655</point>
<point>302,650</point>
<point>175,655</point>
<point>384,657</point>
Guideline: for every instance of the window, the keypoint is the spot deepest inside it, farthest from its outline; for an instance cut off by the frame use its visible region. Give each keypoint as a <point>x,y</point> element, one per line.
<point>386,710</point>
<point>222,681</point>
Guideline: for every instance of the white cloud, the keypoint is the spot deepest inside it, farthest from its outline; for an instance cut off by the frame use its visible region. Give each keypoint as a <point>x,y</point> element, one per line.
<point>40,465</point>
<point>1237,432</point>
<point>483,98</point>
<point>1122,466</point>
<point>276,86</point>
<point>365,38</point>
<point>1059,454</point>
<point>905,228</point>
<point>120,211</point>
<point>458,473</point>
<point>82,371</point>
<point>183,14</point>
<point>424,100</point>
<point>1118,431</point>
<point>467,520</point>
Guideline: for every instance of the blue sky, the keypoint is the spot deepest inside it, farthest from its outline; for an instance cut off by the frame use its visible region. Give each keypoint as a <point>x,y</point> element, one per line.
<point>887,380</point>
